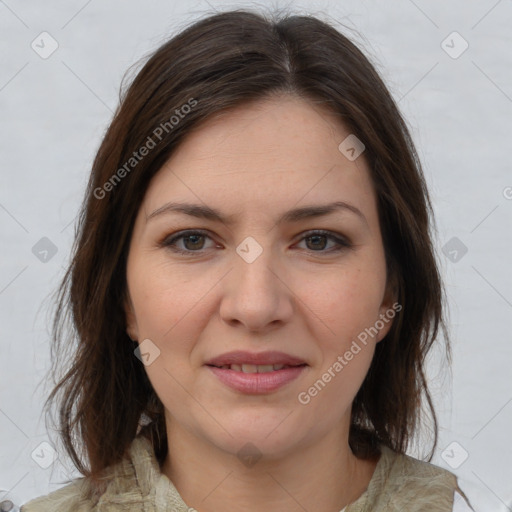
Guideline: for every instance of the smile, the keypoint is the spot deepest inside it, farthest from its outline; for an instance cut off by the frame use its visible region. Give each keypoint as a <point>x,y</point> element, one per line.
<point>253,379</point>
<point>254,368</point>
<point>256,373</point>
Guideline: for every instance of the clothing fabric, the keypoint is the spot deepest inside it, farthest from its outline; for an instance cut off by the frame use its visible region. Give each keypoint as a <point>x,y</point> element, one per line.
<point>399,483</point>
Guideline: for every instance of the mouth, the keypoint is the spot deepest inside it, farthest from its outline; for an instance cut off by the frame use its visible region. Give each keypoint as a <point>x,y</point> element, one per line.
<point>250,362</point>
<point>256,373</point>
<point>255,368</point>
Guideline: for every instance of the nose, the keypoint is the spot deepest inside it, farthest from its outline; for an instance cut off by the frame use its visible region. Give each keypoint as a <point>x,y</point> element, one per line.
<point>257,294</point>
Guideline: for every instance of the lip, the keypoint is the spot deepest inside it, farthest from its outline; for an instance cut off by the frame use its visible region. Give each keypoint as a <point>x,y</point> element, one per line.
<point>244,357</point>
<point>256,383</point>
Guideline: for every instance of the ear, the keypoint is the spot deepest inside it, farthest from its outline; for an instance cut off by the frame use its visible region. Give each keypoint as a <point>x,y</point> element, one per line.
<point>131,322</point>
<point>388,308</point>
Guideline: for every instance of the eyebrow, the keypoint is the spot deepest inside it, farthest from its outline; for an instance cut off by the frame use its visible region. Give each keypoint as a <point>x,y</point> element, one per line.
<point>295,215</point>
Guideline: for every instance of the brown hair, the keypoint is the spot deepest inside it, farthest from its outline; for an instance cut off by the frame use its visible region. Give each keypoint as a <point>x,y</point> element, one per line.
<point>221,62</point>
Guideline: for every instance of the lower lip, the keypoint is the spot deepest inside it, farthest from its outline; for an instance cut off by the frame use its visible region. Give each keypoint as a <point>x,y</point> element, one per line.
<point>257,383</point>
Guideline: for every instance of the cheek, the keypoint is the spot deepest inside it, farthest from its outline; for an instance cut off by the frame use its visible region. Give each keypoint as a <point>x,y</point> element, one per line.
<point>347,301</point>
<point>343,365</point>
<point>167,299</point>
<point>331,394</point>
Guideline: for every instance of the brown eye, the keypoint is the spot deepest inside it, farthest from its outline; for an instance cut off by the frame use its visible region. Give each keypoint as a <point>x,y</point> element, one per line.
<point>317,241</point>
<point>193,242</point>
<point>190,241</point>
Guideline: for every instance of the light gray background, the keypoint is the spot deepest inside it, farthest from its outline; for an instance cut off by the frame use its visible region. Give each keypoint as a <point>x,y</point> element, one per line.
<point>55,110</point>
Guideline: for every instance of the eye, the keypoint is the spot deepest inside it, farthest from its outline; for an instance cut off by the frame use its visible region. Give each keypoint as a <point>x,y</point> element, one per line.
<point>193,241</point>
<point>317,241</point>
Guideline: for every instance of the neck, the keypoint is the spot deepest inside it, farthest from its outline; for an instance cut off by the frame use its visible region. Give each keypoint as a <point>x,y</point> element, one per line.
<point>324,476</point>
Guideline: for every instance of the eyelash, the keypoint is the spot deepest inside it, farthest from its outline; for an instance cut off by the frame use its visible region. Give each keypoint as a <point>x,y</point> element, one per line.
<point>170,242</point>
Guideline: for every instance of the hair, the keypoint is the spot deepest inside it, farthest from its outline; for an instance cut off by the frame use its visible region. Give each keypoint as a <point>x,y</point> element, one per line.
<point>219,63</point>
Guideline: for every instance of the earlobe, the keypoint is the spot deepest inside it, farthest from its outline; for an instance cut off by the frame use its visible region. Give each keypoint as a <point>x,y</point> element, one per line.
<point>131,324</point>
<point>387,312</point>
<point>384,324</point>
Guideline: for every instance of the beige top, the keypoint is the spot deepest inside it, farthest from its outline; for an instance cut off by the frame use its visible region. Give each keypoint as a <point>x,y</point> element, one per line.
<point>399,483</point>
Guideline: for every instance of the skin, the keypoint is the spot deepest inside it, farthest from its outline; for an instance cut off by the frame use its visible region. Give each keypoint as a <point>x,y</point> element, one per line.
<point>298,297</point>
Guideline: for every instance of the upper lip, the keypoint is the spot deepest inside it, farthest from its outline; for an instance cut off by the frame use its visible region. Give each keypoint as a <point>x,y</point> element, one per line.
<point>261,358</point>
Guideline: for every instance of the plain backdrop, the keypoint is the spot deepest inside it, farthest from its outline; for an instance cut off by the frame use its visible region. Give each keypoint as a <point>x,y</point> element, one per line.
<point>449,67</point>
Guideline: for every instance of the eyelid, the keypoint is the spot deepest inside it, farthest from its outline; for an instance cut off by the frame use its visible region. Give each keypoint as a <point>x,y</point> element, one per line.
<point>169,240</point>
<point>343,243</point>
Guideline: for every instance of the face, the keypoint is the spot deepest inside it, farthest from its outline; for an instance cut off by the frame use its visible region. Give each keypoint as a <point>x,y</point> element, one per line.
<point>254,278</point>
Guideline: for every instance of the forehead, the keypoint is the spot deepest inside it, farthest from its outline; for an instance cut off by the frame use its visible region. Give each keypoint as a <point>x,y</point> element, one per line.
<point>265,156</point>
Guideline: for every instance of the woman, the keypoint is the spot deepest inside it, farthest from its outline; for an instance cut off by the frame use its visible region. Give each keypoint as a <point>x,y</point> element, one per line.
<point>253,289</point>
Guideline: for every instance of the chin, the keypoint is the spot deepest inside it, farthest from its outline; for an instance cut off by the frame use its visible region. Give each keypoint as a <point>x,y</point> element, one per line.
<point>264,433</point>
<point>255,446</point>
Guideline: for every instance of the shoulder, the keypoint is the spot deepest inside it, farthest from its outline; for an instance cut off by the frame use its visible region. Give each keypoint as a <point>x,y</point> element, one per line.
<point>404,470</point>
<point>126,483</point>
<point>71,497</point>
<point>401,482</point>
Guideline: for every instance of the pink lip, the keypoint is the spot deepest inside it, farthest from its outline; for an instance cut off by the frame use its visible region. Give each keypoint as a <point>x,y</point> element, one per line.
<point>257,383</point>
<point>241,357</point>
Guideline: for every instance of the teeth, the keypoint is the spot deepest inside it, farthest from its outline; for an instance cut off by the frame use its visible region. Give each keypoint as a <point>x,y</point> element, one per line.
<point>264,368</point>
<point>253,368</point>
